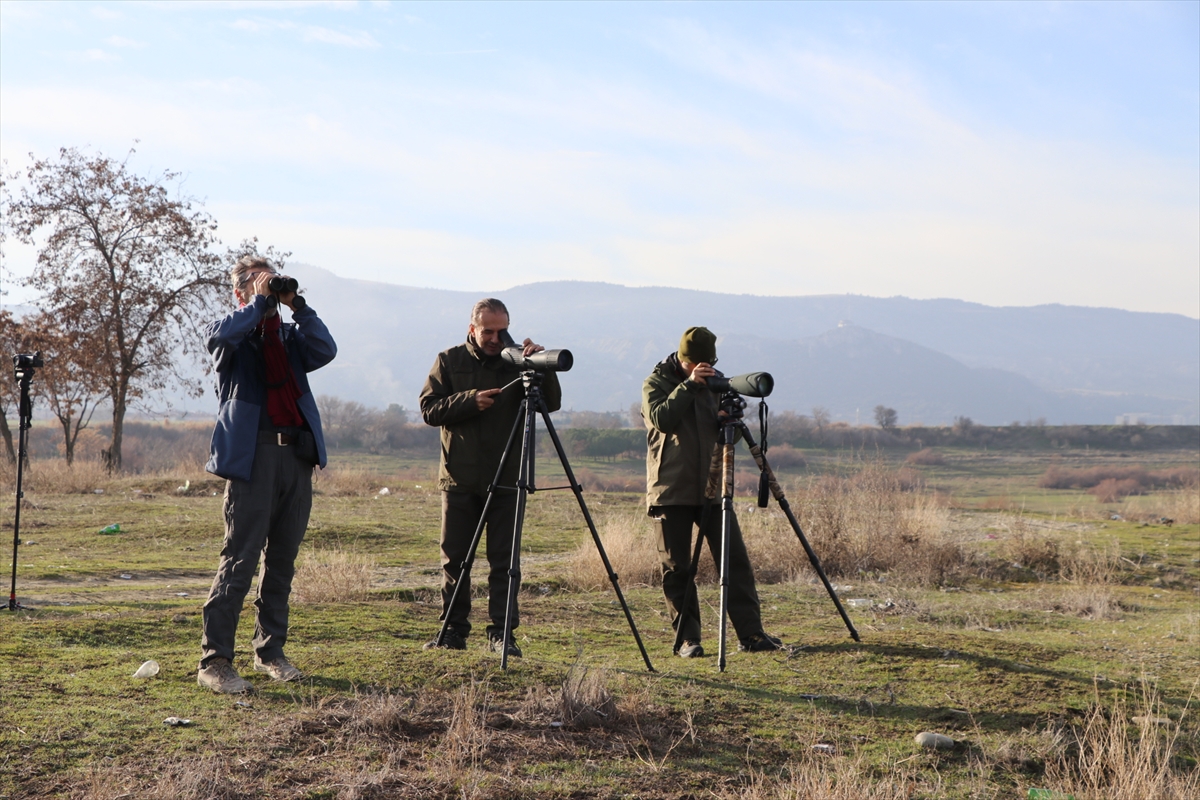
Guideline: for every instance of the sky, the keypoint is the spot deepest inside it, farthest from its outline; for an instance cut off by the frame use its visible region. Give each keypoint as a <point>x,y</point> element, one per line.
<point>1011,154</point>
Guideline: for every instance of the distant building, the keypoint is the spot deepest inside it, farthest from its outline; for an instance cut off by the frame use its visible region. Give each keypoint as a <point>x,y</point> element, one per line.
<point>1133,418</point>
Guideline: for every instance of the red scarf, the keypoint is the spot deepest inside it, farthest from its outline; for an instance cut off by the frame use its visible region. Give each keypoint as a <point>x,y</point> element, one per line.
<point>282,389</point>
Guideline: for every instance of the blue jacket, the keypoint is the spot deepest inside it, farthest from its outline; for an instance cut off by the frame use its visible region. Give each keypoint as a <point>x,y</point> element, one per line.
<point>241,387</point>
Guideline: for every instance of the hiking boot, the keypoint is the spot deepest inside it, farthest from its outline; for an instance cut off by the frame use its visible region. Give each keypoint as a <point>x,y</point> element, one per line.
<point>453,640</point>
<point>759,643</point>
<point>280,669</point>
<point>220,676</point>
<point>497,645</point>
<point>690,649</point>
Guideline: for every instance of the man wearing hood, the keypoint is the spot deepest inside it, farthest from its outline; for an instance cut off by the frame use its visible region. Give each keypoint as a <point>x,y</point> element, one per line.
<point>465,396</point>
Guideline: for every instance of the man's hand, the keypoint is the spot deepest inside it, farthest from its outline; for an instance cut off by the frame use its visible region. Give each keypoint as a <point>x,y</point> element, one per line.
<point>700,372</point>
<point>484,398</point>
<point>531,348</point>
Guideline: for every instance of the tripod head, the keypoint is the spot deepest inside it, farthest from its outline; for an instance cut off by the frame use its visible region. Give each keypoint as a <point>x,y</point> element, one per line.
<point>24,365</point>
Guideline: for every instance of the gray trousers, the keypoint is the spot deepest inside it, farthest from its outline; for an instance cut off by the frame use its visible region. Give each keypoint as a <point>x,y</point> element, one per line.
<point>674,525</point>
<point>266,515</point>
<point>460,516</point>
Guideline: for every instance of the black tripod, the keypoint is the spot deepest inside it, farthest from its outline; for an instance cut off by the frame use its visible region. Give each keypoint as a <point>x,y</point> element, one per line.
<point>527,420</point>
<point>732,424</point>
<point>23,367</point>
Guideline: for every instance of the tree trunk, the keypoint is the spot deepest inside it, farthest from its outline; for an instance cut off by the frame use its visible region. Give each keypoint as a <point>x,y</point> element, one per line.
<point>118,432</point>
<point>8,440</point>
<point>68,441</point>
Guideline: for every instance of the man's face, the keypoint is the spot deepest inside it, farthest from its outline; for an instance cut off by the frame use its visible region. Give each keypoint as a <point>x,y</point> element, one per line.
<point>487,333</point>
<point>245,289</point>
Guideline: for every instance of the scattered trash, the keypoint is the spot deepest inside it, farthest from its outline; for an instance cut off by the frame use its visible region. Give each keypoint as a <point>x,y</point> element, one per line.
<point>934,741</point>
<point>886,605</point>
<point>147,670</point>
<point>809,696</point>
<point>214,494</point>
<point>1148,720</point>
<point>114,528</point>
<point>858,602</point>
<point>125,576</point>
<point>991,536</point>
<point>176,722</point>
<point>97,491</point>
<point>556,724</point>
<point>242,703</point>
<point>186,485</point>
<point>837,587</point>
<point>27,541</point>
<point>385,491</point>
<point>181,594</point>
<point>827,749</point>
<point>418,486</point>
<point>1116,518</point>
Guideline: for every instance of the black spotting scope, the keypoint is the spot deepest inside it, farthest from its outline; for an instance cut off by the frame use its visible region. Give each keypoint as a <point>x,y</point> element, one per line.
<point>752,384</point>
<point>545,361</point>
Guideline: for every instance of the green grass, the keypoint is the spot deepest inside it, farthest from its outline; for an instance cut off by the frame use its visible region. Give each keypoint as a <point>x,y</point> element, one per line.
<point>999,667</point>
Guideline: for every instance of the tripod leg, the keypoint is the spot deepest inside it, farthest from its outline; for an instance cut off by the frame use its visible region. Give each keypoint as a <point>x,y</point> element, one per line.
<point>612,576</point>
<point>726,529</point>
<point>464,569</point>
<point>26,421</point>
<point>777,492</point>
<point>524,483</point>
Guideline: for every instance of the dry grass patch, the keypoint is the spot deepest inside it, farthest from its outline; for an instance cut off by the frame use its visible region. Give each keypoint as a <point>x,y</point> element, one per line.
<point>1126,752</point>
<point>333,576</point>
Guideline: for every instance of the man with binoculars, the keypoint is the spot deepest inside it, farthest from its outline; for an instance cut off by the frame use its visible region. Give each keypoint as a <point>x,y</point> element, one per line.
<point>682,423</point>
<point>473,395</point>
<point>266,442</point>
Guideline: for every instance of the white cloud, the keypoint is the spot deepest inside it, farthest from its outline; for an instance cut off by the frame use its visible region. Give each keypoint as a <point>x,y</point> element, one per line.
<point>313,33</point>
<point>96,54</point>
<point>121,41</point>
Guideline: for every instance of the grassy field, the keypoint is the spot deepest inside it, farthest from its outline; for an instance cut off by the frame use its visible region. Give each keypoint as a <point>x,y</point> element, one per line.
<point>1057,646</point>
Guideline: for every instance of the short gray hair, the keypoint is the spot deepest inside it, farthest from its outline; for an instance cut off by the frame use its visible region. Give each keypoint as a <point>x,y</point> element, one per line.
<point>244,265</point>
<point>487,304</point>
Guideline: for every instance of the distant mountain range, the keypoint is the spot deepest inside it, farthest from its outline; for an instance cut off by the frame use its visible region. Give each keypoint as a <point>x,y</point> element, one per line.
<point>930,360</point>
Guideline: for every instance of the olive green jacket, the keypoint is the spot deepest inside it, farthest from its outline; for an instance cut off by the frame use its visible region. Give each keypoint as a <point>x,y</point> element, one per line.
<point>681,434</point>
<point>473,440</point>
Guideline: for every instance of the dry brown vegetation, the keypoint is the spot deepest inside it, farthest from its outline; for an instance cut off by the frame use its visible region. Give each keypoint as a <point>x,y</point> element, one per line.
<point>927,457</point>
<point>332,576</point>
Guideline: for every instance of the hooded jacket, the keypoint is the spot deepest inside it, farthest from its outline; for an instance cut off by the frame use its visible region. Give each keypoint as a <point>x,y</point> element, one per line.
<point>681,434</point>
<point>472,440</point>
<point>241,385</point>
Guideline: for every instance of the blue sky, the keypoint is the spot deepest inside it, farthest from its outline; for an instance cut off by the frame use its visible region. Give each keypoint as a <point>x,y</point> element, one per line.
<point>1003,153</point>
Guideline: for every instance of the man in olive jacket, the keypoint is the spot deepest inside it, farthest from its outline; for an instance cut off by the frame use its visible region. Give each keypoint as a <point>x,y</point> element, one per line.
<point>682,427</point>
<point>464,395</point>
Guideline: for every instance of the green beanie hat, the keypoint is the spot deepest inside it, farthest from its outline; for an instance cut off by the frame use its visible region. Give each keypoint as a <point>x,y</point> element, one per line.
<point>698,345</point>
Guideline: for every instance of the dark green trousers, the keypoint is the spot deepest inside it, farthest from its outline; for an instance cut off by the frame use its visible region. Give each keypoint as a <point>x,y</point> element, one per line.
<point>675,525</point>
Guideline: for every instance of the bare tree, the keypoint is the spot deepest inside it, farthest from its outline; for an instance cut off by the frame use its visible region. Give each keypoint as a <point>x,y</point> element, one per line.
<point>68,382</point>
<point>133,266</point>
<point>820,418</point>
<point>11,342</point>
<point>886,418</point>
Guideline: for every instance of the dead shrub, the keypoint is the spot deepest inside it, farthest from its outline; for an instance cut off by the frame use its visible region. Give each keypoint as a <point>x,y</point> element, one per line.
<point>629,540</point>
<point>828,778</point>
<point>586,699</point>
<point>467,738</point>
<point>1111,490</point>
<point>333,576</point>
<point>925,458</point>
<point>609,483</point>
<point>784,456</point>
<point>1100,758</point>
<point>342,481</point>
<point>868,523</point>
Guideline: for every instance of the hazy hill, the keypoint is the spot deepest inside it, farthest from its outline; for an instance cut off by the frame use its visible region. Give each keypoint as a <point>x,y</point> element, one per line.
<point>931,360</point>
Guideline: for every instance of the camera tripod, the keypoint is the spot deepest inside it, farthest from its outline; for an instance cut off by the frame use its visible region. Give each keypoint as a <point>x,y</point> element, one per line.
<point>23,367</point>
<point>732,424</point>
<point>531,406</point>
